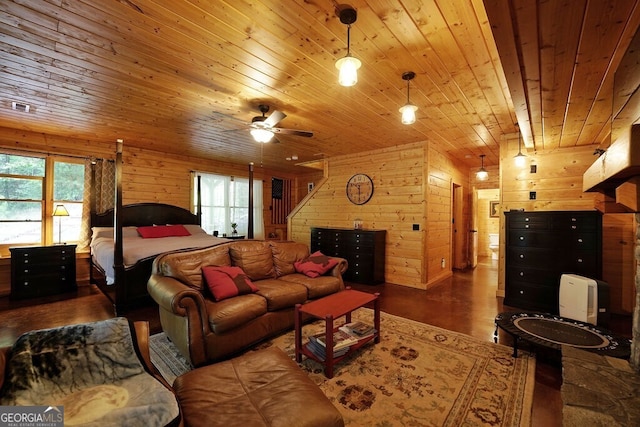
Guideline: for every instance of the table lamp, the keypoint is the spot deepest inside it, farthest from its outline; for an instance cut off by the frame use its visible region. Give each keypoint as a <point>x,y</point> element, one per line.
<point>60,210</point>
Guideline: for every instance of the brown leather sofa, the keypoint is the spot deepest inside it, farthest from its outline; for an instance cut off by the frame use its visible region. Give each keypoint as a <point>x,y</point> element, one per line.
<point>205,330</point>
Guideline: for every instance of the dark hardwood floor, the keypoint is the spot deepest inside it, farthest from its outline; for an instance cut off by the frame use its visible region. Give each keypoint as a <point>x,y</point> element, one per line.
<point>464,303</point>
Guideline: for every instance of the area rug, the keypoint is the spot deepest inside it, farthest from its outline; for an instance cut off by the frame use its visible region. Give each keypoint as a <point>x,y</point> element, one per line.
<point>418,375</point>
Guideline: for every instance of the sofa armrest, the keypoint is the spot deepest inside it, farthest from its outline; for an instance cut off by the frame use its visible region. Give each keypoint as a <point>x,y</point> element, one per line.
<point>182,301</point>
<point>339,268</point>
<point>171,294</point>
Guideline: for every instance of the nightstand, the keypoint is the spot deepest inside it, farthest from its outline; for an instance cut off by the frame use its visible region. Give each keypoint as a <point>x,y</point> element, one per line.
<point>42,270</point>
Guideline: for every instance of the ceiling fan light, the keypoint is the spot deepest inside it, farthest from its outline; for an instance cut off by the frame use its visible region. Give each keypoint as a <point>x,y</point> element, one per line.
<point>408,114</point>
<point>261,135</point>
<point>348,67</point>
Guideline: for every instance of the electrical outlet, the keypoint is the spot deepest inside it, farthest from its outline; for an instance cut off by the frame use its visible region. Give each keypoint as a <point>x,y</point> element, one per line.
<point>416,227</point>
<point>532,195</point>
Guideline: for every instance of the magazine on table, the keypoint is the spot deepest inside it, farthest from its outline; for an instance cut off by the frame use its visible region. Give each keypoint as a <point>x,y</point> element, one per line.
<point>320,352</point>
<point>358,329</point>
<point>341,339</point>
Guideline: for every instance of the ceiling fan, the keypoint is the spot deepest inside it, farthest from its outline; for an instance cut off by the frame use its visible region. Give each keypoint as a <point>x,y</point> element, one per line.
<point>262,128</point>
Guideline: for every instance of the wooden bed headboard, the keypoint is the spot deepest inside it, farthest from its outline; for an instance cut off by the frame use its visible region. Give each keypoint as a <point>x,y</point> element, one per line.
<point>140,214</point>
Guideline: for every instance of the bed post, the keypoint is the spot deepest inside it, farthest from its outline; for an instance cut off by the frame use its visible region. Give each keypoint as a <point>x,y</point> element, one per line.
<point>199,201</point>
<point>250,220</point>
<point>118,262</point>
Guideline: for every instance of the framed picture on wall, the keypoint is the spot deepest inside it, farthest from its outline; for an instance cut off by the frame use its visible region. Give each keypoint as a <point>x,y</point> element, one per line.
<point>493,208</point>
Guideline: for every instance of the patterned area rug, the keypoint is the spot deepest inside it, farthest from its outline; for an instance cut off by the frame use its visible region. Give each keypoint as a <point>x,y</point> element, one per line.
<point>418,375</point>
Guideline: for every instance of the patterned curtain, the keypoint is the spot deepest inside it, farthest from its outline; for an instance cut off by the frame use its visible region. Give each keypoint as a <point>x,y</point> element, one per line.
<point>104,190</point>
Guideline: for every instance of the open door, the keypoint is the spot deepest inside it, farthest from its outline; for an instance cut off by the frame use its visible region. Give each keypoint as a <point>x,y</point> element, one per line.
<point>473,231</point>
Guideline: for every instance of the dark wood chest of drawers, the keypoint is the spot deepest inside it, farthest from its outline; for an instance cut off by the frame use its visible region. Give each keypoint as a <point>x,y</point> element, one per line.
<point>364,250</point>
<point>541,246</point>
<point>42,270</point>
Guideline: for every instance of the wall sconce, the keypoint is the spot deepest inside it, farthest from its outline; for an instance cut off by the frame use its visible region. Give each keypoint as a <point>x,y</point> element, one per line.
<point>348,65</point>
<point>60,211</point>
<point>482,174</point>
<point>520,158</point>
<point>408,110</point>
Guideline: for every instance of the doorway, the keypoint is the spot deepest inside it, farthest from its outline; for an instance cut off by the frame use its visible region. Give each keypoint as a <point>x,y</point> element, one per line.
<point>488,225</point>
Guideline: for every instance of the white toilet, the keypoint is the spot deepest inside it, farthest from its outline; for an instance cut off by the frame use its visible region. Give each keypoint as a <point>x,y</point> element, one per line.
<point>494,244</point>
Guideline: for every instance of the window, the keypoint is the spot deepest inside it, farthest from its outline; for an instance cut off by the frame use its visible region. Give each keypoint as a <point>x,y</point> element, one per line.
<point>225,200</point>
<point>30,188</point>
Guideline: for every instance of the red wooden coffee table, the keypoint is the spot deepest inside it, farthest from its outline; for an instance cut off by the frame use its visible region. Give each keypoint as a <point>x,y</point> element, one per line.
<point>330,308</point>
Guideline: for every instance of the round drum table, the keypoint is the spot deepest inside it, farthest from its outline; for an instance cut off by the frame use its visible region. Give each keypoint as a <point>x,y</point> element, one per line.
<point>553,331</point>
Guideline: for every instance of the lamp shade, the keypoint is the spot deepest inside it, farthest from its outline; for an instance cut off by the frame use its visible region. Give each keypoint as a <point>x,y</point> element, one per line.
<point>261,135</point>
<point>348,67</point>
<point>60,210</point>
<point>520,159</point>
<point>408,114</point>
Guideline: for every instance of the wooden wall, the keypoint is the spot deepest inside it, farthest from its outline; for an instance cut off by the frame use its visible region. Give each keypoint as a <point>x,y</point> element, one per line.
<point>148,176</point>
<point>412,185</point>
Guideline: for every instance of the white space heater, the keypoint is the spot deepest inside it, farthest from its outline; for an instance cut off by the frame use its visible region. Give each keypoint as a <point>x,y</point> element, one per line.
<point>584,299</point>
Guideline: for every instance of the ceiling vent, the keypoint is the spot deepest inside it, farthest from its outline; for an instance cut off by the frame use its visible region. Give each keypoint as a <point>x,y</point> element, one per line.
<point>20,107</point>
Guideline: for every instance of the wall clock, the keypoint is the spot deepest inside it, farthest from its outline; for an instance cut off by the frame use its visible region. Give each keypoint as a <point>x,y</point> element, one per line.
<point>359,189</point>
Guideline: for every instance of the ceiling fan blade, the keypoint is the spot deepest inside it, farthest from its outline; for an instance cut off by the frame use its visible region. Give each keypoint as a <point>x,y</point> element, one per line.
<point>297,132</point>
<point>274,118</point>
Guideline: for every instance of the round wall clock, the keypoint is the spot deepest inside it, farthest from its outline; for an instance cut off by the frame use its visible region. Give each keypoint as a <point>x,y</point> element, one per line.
<point>359,189</point>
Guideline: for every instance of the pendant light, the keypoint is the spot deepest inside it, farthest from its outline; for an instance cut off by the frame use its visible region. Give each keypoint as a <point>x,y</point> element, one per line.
<point>348,65</point>
<point>520,158</point>
<point>482,174</point>
<point>408,110</point>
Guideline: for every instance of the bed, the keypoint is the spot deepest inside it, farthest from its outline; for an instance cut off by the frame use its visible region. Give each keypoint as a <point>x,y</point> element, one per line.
<point>120,258</point>
<point>123,279</point>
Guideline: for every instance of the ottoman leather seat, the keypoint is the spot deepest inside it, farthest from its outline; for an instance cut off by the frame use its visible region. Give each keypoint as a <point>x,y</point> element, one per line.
<point>259,388</point>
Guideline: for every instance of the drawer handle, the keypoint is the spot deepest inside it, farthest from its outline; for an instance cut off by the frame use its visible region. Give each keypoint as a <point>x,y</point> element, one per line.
<point>579,240</point>
<point>521,237</point>
<point>526,226</point>
<point>521,292</point>
<point>25,283</point>
<point>526,219</point>
<point>573,227</point>
<point>580,260</point>
<point>521,256</point>
<point>63,267</point>
<point>573,219</point>
<point>522,274</point>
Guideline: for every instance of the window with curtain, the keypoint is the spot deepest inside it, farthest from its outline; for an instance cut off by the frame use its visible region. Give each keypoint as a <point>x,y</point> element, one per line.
<point>225,200</point>
<point>30,189</point>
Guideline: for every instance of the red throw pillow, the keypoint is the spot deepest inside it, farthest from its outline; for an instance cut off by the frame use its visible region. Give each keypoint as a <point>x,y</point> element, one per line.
<point>154,231</point>
<point>227,282</point>
<point>316,265</point>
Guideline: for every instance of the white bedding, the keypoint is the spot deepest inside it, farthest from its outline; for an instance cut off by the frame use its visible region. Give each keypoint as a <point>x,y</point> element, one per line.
<point>135,248</point>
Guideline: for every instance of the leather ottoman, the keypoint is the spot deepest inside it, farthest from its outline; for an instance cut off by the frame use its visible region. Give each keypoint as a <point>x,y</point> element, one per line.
<point>259,388</point>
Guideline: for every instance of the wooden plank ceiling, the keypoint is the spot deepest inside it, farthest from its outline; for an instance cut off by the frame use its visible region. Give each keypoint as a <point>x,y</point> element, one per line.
<point>186,77</point>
